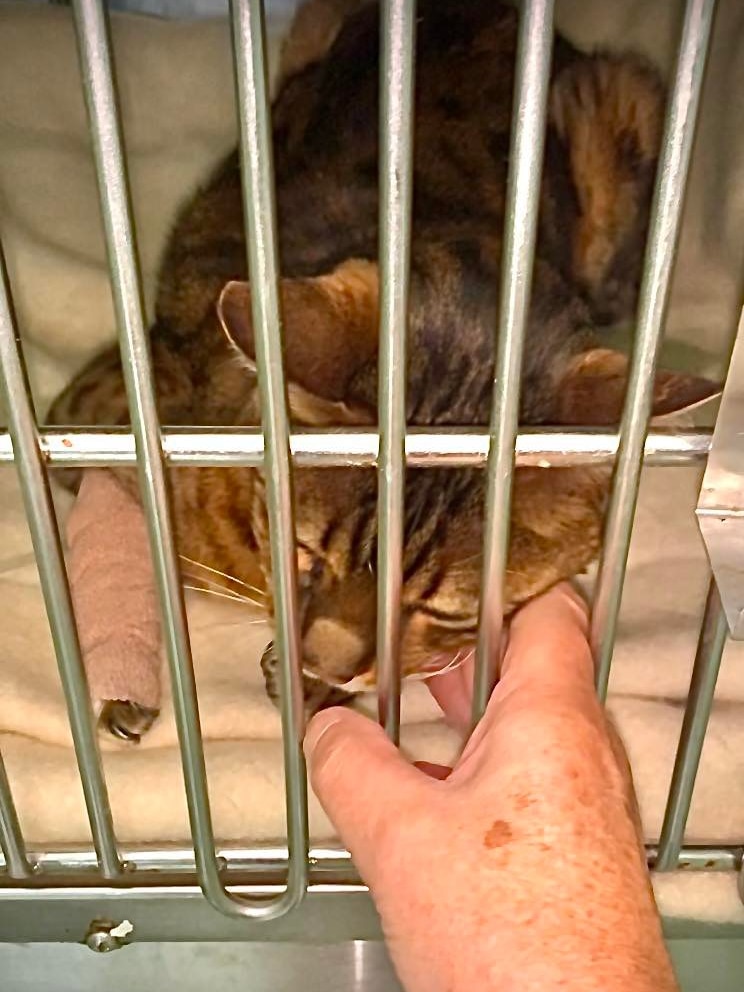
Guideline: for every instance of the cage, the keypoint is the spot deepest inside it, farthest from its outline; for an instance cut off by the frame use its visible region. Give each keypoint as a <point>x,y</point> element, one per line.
<point>113,890</point>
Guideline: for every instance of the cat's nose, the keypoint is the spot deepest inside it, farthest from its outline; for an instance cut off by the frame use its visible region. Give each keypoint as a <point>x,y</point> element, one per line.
<point>336,651</point>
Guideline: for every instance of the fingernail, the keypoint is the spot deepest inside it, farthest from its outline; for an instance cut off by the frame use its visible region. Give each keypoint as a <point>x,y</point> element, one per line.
<point>320,724</point>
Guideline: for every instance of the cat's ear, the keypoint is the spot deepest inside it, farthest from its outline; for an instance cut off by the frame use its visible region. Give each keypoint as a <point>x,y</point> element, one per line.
<point>592,391</point>
<point>329,326</point>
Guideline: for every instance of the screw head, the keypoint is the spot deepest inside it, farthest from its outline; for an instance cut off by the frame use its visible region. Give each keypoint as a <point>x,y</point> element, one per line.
<point>105,935</point>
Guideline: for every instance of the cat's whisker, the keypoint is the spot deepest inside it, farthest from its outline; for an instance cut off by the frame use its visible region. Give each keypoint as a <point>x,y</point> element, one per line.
<point>224,595</point>
<point>453,663</point>
<point>224,575</point>
<point>206,585</point>
<point>214,592</point>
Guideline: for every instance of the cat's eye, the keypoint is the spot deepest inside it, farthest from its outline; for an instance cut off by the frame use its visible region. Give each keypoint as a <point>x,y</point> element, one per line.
<point>467,625</point>
<point>459,622</point>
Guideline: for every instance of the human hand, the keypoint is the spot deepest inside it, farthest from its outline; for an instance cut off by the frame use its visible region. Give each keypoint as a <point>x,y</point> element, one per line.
<point>524,869</point>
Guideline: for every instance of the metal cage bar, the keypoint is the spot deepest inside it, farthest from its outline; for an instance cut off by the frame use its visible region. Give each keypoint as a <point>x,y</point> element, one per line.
<point>42,522</point>
<point>98,85</point>
<point>12,843</point>
<point>266,865</point>
<point>532,80</point>
<point>711,643</point>
<point>257,169</point>
<point>397,66</point>
<point>445,448</point>
<point>666,216</point>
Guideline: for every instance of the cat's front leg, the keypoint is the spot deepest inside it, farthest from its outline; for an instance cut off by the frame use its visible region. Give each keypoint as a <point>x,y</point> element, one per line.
<point>115,601</point>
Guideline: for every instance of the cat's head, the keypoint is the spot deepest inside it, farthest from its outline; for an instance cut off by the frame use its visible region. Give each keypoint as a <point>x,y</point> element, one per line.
<point>330,343</point>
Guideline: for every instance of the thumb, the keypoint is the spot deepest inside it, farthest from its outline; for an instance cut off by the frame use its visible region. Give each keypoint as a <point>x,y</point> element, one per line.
<point>360,778</point>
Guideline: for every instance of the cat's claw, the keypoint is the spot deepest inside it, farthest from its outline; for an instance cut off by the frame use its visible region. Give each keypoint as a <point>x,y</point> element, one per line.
<point>127,721</point>
<point>317,694</point>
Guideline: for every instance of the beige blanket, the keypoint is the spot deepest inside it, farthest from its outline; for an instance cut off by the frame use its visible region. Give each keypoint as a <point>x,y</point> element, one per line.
<point>177,98</point>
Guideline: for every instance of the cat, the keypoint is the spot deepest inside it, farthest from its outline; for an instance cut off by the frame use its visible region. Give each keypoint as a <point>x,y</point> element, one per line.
<point>605,119</point>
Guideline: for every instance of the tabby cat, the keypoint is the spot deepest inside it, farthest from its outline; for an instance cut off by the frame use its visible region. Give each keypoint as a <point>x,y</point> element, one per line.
<point>604,130</point>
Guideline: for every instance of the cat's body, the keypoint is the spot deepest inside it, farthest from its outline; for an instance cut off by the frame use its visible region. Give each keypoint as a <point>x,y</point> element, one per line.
<point>604,130</point>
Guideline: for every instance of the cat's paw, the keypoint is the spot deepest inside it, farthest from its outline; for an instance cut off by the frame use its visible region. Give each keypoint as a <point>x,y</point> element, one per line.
<point>317,694</point>
<point>125,720</point>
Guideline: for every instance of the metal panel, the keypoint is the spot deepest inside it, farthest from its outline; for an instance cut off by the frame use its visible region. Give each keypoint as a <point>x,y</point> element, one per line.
<point>666,215</point>
<point>50,563</point>
<point>534,50</point>
<point>720,509</point>
<point>328,915</point>
<point>447,448</point>
<point>692,737</point>
<point>397,56</point>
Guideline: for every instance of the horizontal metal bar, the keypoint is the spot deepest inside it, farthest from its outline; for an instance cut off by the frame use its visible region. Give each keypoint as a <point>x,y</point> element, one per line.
<point>145,865</point>
<point>42,522</point>
<point>180,861</point>
<point>12,845</point>
<point>397,58</point>
<point>534,50</point>
<point>445,448</point>
<point>692,737</point>
<point>257,179</point>
<point>666,217</point>
<point>702,858</point>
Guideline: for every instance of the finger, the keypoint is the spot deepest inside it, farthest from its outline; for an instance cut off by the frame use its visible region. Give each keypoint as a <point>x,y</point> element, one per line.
<point>360,778</point>
<point>453,689</point>
<point>453,692</point>
<point>548,644</point>
<point>547,662</point>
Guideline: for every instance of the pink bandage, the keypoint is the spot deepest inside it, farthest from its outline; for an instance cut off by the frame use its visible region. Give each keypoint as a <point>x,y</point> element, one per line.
<point>113,592</point>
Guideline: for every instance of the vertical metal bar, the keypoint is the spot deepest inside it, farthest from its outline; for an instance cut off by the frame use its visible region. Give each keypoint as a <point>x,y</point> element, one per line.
<point>257,170</point>
<point>534,50</point>
<point>47,546</point>
<point>98,84</point>
<point>397,61</point>
<point>692,737</point>
<point>11,838</point>
<point>666,216</point>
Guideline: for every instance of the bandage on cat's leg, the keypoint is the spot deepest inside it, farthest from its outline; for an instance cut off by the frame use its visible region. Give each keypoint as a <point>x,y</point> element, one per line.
<point>115,600</point>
